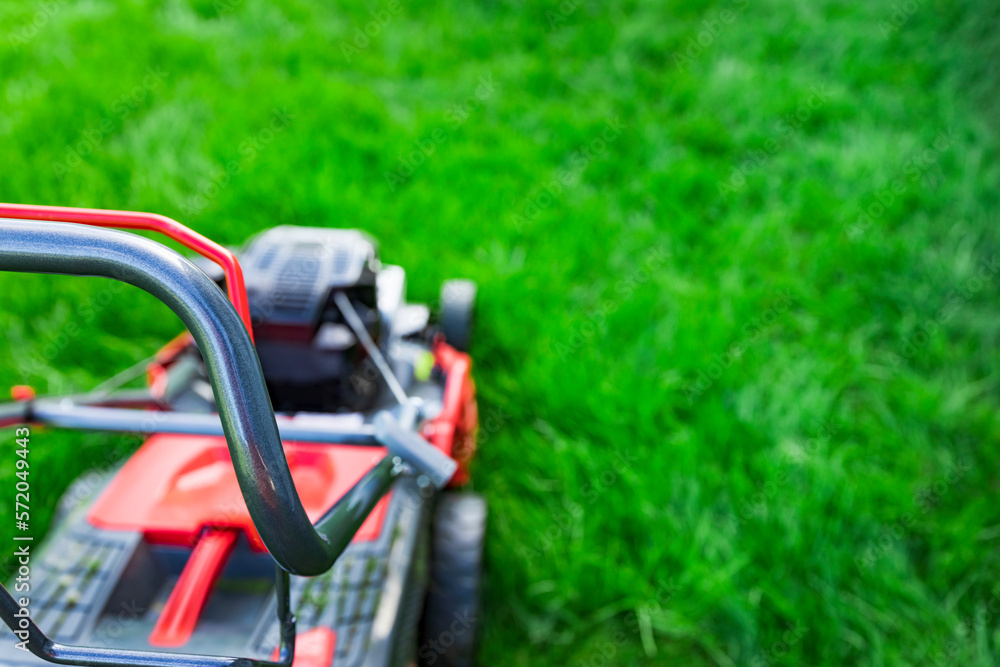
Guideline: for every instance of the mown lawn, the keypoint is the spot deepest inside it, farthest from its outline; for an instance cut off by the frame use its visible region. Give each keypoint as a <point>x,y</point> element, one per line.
<point>738,326</point>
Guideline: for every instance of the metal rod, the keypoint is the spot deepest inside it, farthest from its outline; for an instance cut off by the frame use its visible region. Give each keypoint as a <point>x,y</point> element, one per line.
<point>343,520</point>
<point>123,398</point>
<point>152,222</point>
<point>12,414</point>
<point>351,315</point>
<point>35,641</point>
<point>122,378</point>
<point>286,618</point>
<point>92,418</point>
<point>410,447</point>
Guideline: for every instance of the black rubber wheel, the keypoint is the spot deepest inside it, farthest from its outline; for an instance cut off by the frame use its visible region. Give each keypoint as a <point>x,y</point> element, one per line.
<point>452,609</point>
<point>458,301</point>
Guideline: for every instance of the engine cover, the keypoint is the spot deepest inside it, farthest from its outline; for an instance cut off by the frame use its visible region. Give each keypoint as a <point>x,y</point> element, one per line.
<point>310,357</point>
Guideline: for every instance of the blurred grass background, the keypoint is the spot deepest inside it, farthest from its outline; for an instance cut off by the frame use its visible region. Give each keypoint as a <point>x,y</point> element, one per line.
<point>734,422</point>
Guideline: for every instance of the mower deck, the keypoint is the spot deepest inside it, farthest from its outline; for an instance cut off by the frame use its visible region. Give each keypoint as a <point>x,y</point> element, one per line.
<point>109,588</point>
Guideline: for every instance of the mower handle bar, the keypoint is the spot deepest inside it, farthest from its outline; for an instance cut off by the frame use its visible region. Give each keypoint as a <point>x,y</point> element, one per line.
<point>65,412</point>
<point>244,406</point>
<point>148,222</point>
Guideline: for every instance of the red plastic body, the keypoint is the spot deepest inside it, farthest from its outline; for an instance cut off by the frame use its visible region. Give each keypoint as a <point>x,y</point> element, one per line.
<point>313,648</point>
<point>147,222</point>
<point>180,615</point>
<point>182,490</point>
<point>454,430</point>
<point>22,392</point>
<point>175,486</point>
<point>156,372</point>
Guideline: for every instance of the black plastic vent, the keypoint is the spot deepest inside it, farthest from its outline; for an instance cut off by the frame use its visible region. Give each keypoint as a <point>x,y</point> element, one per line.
<point>296,283</point>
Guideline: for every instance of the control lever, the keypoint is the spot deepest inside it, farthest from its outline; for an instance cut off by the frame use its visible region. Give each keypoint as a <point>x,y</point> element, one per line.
<point>414,450</point>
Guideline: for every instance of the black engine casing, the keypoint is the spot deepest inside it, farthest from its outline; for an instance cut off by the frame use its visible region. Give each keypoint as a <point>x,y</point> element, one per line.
<point>310,357</point>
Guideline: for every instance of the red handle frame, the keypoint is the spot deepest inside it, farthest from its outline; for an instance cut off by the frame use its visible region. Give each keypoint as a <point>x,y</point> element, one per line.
<point>148,222</point>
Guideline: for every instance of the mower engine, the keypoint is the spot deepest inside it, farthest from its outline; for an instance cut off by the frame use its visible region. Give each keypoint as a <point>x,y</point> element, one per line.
<point>311,358</point>
<point>306,349</point>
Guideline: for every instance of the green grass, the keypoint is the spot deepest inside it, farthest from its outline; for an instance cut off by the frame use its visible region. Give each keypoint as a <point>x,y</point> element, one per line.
<point>733,421</point>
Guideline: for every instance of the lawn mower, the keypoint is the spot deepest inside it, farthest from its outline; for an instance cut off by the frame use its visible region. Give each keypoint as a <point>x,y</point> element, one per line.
<point>298,498</point>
